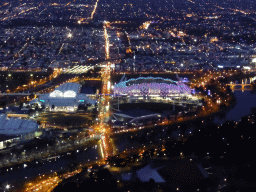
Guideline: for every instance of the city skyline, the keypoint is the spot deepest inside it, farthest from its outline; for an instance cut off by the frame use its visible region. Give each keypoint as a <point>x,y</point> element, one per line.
<point>130,95</point>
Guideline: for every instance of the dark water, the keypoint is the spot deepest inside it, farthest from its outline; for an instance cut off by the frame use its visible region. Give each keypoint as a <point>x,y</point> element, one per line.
<point>245,102</point>
<point>18,172</point>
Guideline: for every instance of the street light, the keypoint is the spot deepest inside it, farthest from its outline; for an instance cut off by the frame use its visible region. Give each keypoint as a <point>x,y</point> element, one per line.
<point>69,35</point>
<point>7,186</point>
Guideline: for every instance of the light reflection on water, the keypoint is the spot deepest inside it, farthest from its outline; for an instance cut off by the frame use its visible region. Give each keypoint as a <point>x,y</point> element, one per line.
<point>244,102</point>
<point>33,169</point>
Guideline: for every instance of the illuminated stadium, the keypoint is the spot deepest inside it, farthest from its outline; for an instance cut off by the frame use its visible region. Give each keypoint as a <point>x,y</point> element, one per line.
<point>67,90</point>
<point>65,97</point>
<point>153,87</point>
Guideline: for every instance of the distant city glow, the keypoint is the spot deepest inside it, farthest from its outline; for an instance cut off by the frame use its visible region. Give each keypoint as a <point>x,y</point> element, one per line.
<point>94,9</point>
<point>109,85</point>
<point>247,67</point>
<point>145,25</point>
<point>70,35</point>
<point>106,41</point>
<point>7,186</point>
<point>60,69</point>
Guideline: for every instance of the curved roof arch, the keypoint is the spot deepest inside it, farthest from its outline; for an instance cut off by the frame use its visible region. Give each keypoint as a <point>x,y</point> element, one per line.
<point>56,93</point>
<point>151,86</point>
<point>69,93</point>
<point>141,80</point>
<point>69,87</point>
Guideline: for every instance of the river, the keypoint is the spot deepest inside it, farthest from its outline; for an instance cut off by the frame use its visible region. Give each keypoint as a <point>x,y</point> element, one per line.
<point>244,102</point>
<point>35,168</point>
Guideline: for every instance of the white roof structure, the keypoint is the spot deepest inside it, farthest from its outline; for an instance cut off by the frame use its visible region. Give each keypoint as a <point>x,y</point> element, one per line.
<point>13,126</point>
<point>67,90</point>
<point>78,69</point>
<point>66,95</point>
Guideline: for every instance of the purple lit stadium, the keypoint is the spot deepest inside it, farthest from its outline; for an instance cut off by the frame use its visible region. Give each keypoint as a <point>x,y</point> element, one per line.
<point>153,87</point>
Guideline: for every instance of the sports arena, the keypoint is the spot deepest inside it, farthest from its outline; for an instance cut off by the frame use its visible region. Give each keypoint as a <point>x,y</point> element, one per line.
<point>152,87</point>
<point>65,97</point>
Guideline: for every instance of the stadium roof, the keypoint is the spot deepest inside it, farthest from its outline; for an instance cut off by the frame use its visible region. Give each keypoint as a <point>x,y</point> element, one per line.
<point>66,90</point>
<point>69,87</point>
<point>13,126</point>
<point>154,86</point>
<point>141,80</point>
<point>63,96</point>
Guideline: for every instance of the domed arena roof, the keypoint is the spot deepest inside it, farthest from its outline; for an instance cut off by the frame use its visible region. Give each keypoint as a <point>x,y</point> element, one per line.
<point>143,86</point>
<point>66,90</point>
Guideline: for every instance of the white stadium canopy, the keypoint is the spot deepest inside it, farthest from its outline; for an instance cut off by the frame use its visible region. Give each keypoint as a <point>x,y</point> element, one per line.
<point>56,93</point>
<point>65,97</point>
<point>66,90</point>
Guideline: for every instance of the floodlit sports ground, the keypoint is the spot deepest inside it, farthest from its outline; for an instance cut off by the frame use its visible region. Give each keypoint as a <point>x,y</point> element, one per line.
<point>152,87</point>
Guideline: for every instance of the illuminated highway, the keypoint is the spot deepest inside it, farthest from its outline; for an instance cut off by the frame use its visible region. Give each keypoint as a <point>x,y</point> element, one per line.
<point>47,184</point>
<point>106,41</point>
<point>105,144</point>
<point>94,133</point>
<point>102,127</point>
<point>94,9</point>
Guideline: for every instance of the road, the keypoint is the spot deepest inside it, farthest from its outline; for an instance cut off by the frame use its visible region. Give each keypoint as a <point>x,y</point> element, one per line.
<point>104,113</point>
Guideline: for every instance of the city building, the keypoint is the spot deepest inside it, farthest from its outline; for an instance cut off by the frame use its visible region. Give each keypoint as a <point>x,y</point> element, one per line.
<point>152,87</point>
<point>66,97</point>
<point>14,130</point>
